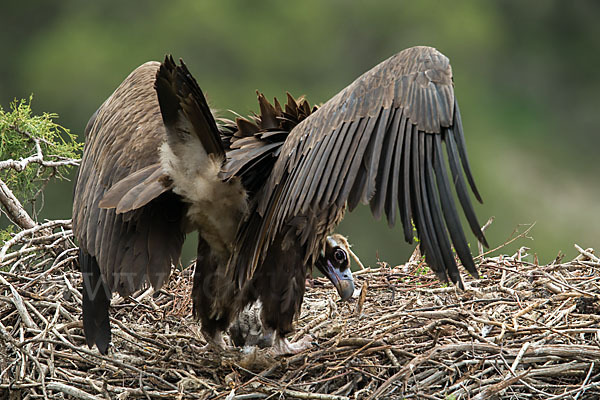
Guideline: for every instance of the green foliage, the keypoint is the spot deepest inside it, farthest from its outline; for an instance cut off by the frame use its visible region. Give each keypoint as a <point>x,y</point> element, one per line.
<point>423,269</point>
<point>414,232</point>
<point>19,129</point>
<point>6,234</point>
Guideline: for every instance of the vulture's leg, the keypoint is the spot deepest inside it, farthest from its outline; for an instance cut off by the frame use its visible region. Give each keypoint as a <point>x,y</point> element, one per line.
<point>281,283</point>
<point>247,329</point>
<point>208,285</point>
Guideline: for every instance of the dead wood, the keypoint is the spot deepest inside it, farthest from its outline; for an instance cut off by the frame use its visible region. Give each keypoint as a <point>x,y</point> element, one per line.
<point>521,331</point>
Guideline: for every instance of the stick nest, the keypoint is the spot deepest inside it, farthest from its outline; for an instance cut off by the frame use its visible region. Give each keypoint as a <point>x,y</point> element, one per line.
<point>520,331</point>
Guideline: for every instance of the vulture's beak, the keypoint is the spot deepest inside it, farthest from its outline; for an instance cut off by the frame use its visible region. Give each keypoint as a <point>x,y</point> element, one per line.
<point>334,263</point>
<point>342,280</point>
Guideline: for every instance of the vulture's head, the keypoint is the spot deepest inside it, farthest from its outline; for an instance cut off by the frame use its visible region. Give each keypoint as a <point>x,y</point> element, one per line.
<point>334,263</point>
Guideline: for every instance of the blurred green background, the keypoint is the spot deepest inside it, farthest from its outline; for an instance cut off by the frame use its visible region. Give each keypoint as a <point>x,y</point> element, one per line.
<point>526,76</point>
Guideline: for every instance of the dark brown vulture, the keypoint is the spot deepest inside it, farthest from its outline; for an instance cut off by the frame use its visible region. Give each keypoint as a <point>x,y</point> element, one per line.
<point>266,192</point>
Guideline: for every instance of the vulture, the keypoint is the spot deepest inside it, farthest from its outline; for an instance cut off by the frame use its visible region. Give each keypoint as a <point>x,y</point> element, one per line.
<point>266,192</point>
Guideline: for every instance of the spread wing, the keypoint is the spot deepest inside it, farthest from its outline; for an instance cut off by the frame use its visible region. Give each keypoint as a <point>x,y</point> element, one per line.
<point>380,141</point>
<point>121,168</point>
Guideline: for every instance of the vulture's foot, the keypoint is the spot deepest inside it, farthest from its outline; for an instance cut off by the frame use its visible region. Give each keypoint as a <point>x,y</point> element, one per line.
<point>281,346</point>
<point>215,343</point>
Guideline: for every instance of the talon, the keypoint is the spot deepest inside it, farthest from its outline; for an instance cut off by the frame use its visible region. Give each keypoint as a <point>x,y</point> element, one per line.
<point>215,343</point>
<point>281,346</point>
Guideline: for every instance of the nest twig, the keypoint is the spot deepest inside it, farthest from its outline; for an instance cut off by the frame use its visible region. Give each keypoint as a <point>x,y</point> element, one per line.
<point>521,331</point>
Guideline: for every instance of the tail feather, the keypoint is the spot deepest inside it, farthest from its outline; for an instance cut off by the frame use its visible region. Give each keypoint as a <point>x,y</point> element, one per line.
<point>184,108</point>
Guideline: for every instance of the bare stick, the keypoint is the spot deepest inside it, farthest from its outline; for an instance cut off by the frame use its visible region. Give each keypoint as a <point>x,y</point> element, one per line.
<point>14,209</point>
<point>483,229</point>
<point>44,228</point>
<point>71,391</point>
<point>509,241</point>
<point>307,395</point>
<point>18,302</point>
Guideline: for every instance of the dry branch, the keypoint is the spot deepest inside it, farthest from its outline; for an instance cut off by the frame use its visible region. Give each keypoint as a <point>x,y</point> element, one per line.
<point>521,331</point>
<point>14,208</point>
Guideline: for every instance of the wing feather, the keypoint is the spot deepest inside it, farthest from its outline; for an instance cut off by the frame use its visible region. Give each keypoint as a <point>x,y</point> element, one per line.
<point>378,141</point>
<point>432,197</point>
<point>461,187</point>
<point>462,151</point>
<point>394,179</point>
<point>357,173</point>
<point>305,171</point>
<point>108,247</point>
<point>335,182</point>
<point>135,181</point>
<point>332,161</point>
<point>120,165</point>
<point>385,166</point>
<point>422,216</point>
<point>449,208</point>
<point>357,149</point>
<point>317,169</point>
<point>246,158</point>
<point>373,154</point>
<point>404,196</point>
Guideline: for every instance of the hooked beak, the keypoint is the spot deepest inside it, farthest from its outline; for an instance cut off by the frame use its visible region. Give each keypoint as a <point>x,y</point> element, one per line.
<point>342,280</point>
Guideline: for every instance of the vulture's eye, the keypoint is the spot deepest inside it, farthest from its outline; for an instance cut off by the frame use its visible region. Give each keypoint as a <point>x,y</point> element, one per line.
<point>339,255</point>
